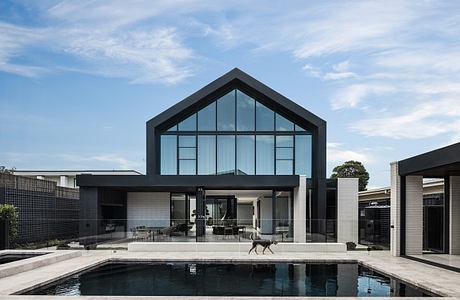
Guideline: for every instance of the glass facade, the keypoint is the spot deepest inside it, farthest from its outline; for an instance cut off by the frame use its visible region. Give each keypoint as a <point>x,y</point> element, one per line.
<point>226,112</point>
<point>206,154</point>
<point>245,145</point>
<point>168,154</point>
<point>236,134</point>
<point>225,154</point>
<point>265,163</point>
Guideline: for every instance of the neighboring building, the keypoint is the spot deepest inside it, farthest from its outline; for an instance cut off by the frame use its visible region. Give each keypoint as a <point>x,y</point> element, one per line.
<point>67,178</point>
<point>374,215</point>
<point>46,211</point>
<point>235,156</point>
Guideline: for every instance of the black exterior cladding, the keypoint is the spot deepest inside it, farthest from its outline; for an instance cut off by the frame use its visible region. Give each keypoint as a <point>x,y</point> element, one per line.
<point>235,79</point>
<point>267,96</point>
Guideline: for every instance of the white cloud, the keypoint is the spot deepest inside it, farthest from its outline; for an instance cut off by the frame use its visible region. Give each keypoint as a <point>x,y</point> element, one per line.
<point>12,41</point>
<point>140,55</point>
<point>110,161</point>
<point>336,153</point>
<point>428,119</point>
<point>106,38</point>
<point>28,160</point>
<point>354,94</point>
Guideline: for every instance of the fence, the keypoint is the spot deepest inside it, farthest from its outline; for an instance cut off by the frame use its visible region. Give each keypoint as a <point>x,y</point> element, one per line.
<point>46,211</point>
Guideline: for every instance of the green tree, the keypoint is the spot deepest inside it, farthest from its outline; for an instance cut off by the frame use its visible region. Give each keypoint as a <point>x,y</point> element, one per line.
<point>352,169</point>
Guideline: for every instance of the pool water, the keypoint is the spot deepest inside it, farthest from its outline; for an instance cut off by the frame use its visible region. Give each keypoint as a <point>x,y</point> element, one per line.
<point>201,279</point>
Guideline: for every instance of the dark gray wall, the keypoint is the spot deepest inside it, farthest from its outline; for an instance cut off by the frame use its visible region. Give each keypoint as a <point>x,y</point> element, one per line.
<point>46,211</point>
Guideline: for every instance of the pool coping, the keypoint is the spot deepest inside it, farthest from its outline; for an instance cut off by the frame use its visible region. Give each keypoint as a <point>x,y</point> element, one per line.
<point>98,259</point>
<point>43,258</point>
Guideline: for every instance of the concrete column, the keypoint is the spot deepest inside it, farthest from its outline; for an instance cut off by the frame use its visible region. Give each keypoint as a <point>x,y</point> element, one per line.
<point>347,210</point>
<point>63,181</point>
<point>395,217</point>
<point>454,215</point>
<point>300,211</point>
<point>414,215</point>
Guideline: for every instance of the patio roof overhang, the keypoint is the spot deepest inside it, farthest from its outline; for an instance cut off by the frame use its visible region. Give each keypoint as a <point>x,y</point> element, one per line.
<point>439,163</point>
<point>187,183</point>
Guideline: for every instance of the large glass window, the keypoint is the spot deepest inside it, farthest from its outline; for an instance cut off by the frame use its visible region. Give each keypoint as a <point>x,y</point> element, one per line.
<point>245,155</point>
<point>168,154</point>
<point>178,209</point>
<point>188,124</point>
<point>207,118</point>
<point>284,155</point>
<point>206,154</point>
<point>303,155</point>
<point>225,154</point>
<point>187,155</point>
<point>226,112</point>
<point>265,158</point>
<point>283,124</point>
<point>265,118</point>
<point>245,106</point>
<point>256,150</point>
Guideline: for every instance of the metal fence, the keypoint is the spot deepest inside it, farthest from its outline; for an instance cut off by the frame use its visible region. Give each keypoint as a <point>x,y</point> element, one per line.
<point>46,211</point>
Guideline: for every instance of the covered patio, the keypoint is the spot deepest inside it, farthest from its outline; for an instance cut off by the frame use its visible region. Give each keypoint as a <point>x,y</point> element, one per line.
<point>410,224</point>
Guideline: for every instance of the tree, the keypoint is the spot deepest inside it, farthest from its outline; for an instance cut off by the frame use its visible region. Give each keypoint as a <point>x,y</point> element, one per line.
<point>352,169</point>
<point>5,170</point>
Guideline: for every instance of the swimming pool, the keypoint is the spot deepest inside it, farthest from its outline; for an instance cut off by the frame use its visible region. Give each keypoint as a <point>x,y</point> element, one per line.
<point>222,279</point>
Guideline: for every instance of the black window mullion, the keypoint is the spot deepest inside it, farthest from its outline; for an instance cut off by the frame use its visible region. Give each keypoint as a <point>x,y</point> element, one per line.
<point>177,154</point>
<point>236,139</point>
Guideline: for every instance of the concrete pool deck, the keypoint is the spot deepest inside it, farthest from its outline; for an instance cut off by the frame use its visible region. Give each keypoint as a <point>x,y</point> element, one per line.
<point>439,281</point>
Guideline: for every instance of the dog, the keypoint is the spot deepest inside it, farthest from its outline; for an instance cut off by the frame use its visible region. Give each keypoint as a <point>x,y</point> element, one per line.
<point>264,243</point>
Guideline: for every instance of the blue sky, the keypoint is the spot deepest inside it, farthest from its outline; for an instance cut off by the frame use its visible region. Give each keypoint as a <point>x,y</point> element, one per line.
<point>79,79</point>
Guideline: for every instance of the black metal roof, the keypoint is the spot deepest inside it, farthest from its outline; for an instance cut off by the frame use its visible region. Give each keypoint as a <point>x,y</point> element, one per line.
<point>437,163</point>
<point>237,79</point>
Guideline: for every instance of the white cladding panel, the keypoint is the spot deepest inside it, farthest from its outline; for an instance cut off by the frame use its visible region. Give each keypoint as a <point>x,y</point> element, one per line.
<point>347,210</point>
<point>148,209</point>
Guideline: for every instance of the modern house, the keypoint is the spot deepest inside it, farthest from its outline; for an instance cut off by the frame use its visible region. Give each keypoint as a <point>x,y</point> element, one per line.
<point>68,178</point>
<point>235,157</point>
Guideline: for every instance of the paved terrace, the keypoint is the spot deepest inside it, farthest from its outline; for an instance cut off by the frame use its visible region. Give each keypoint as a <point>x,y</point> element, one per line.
<point>442,282</point>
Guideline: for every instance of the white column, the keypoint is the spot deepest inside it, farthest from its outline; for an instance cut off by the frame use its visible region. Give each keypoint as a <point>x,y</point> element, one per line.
<point>454,215</point>
<point>63,181</point>
<point>300,211</point>
<point>414,215</point>
<point>347,210</point>
<point>395,217</point>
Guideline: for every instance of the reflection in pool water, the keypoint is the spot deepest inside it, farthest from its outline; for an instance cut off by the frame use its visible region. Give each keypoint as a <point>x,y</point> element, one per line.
<point>182,279</point>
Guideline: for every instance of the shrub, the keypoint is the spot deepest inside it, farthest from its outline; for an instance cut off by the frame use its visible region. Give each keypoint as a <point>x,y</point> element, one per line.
<point>9,213</point>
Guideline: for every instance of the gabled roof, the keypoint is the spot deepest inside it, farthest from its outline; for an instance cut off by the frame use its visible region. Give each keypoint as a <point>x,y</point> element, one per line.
<point>235,78</point>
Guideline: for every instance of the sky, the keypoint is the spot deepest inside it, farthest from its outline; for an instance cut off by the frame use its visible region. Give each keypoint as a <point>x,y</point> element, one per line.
<point>79,79</point>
